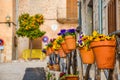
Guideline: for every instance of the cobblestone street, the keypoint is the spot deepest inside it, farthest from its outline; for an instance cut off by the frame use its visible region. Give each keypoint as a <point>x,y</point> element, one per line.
<point>16,70</point>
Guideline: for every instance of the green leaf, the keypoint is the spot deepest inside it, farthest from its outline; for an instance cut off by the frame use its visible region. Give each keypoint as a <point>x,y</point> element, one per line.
<point>29,26</point>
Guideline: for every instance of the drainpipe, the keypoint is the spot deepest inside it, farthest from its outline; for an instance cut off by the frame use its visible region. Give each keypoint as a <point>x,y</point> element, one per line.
<point>17,2</point>
<point>79,22</point>
<point>78,30</point>
<point>79,17</point>
<point>100,16</point>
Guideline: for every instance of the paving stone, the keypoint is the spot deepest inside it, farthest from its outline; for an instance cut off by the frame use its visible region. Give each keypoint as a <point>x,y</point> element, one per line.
<point>16,70</point>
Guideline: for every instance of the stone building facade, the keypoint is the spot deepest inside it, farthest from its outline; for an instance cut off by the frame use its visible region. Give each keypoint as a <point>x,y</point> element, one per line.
<point>56,18</point>
<point>55,15</point>
<point>7,32</point>
<point>94,19</point>
<point>104,21</point>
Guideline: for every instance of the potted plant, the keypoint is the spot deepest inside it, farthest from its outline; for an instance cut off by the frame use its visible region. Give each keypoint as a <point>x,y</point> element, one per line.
<point>62,43</point>
<point>61,52</point>
<point>69,37</point>
<point>29,27</point>
<point>72,77</point>
<point>86,52</point>
<point>104,48</point>
<point>62,76</point>
<point>49,48</point>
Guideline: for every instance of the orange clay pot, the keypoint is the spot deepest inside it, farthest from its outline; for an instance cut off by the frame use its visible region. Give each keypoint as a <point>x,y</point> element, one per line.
<point>104,52</point>
<point>49,51</point>
<point>65,48</point>
<point>87,56</point>
<point>71,78</point>
<point>61,52</point>
<point>50,67</point>
<point>56,51</point>
<point>56,67</point>
<point>70,42</point>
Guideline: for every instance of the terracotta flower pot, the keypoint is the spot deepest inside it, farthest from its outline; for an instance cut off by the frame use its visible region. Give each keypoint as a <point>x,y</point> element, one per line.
<point>61,52</point>
<point>104,52</point>
<point>87,56</point>
<point>64,47</point>
<point>56,67</point>
<point>56,51</point>
<point>71,78</point>
<point>50,67</point>
<point>49,51</point>
<point>70,42</point>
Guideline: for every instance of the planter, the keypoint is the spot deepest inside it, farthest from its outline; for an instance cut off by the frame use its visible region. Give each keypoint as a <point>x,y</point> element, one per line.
<point>61,52</point>
<point>71,78</point>
<point>104,52</point>
<point>64,47</point>
<point>56,51</point>
<point>56,67</point>
<point>70,42</point>
<point>49,51</point>
<point>87,56</point>
<point>50,67</point>
<point>63,79</point>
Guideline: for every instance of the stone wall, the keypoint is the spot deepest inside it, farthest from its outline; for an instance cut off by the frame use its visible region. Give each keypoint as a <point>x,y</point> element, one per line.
<point>6,32</point>
<point>95,15</point>
<point>86,16</point>
<point>85,20</point>
<point>51,9</point>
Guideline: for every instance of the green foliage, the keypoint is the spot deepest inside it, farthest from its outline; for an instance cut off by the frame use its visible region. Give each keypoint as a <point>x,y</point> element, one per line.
<point>49,75</point>
<point>29,26</point>
<point>70,32</point>
<point>59,40</point>
<point>49,44</point>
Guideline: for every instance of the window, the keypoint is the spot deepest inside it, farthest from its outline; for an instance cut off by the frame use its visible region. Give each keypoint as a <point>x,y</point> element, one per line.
<point>112,16</point>
<point>72,11</point>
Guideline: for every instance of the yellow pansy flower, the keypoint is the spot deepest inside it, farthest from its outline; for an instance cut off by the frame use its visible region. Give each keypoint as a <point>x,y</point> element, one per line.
<point>95,33</point>
<point>108,38</point>
<point>90,38</point>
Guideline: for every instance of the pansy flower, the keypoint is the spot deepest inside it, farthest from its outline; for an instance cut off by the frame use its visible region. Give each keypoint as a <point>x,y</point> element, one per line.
<point>71,30</point>
<point>62,32</point>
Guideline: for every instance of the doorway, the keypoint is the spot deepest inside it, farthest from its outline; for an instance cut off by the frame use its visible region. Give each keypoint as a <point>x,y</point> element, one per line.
<point>112,16</point>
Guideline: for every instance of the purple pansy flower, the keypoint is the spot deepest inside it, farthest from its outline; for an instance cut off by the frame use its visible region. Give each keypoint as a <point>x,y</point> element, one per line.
<point>59,34</point>
<point>80,41</point>
<point>71,30</point>
<point>80,36</point>
<point>62,32</point>
<point>44,51</point>
<point>81,32</point>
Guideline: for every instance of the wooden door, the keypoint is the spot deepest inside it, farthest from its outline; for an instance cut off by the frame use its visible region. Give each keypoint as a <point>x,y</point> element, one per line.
<point>36,43</point>
<point>112,16</point>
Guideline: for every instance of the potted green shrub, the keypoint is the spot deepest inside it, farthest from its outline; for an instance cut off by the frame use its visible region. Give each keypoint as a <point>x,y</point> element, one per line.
<point>29,27</point>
